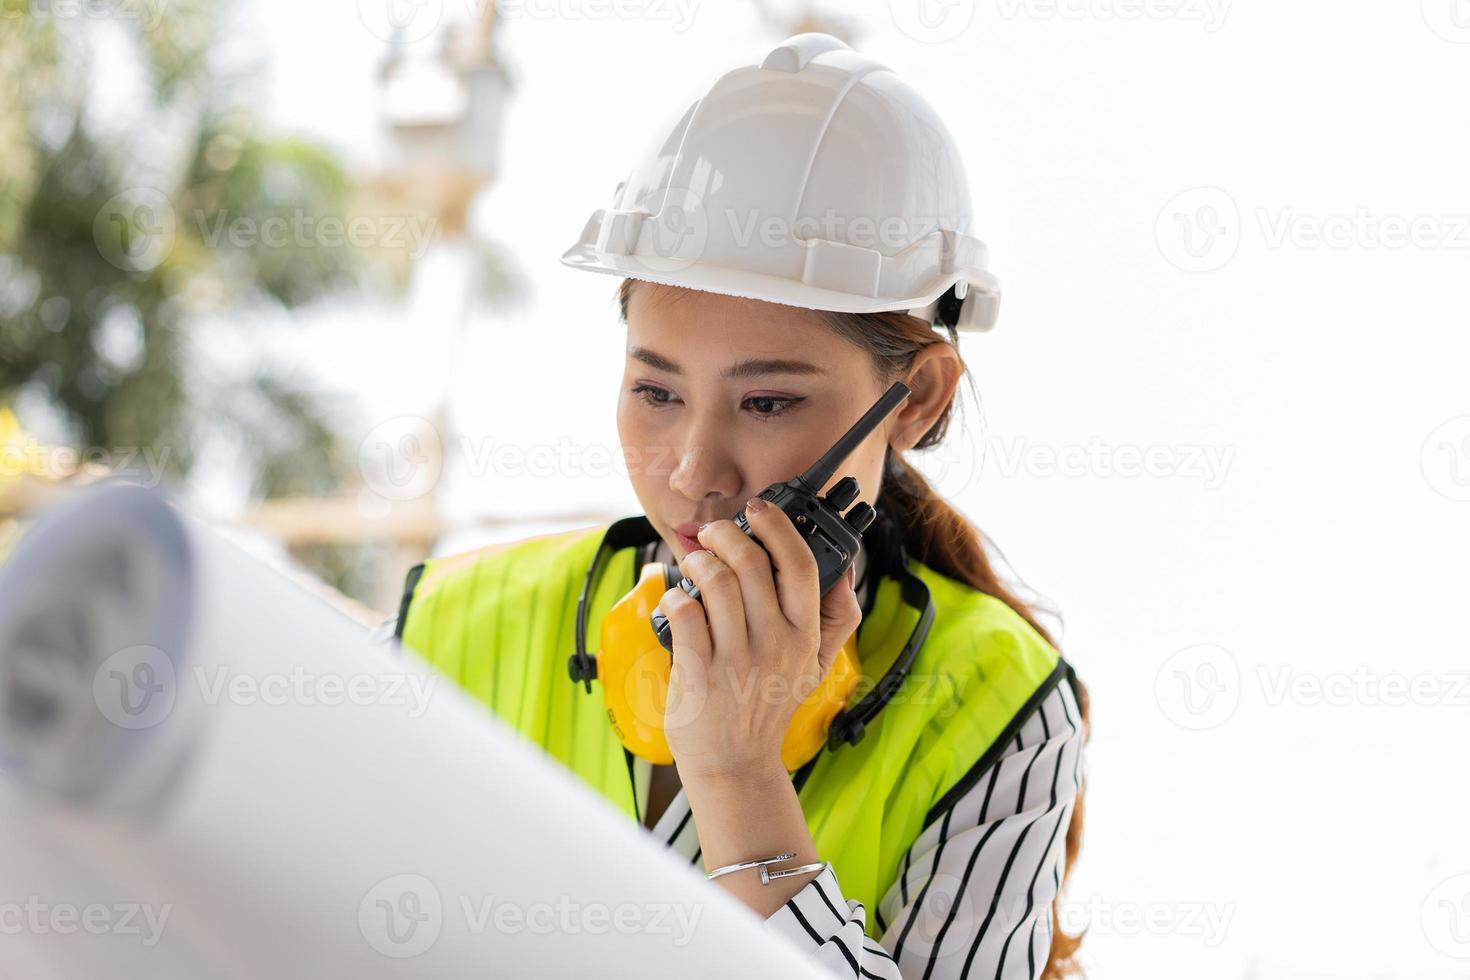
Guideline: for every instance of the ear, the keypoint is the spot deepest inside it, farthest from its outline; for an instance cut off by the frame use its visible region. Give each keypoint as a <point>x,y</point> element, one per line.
<point>933,376</point>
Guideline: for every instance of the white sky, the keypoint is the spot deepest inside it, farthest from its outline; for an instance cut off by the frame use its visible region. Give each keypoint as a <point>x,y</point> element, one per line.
<point>1326,836</point>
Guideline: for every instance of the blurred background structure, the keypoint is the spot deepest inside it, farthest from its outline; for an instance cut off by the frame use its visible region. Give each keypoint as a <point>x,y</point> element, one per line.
<point>301,262</point>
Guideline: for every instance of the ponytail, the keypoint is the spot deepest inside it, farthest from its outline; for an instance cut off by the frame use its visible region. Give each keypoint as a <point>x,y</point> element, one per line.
<point>943,539</point>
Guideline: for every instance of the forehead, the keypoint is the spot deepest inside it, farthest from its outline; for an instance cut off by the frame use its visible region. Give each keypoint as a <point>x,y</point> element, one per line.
<point>712,329</point>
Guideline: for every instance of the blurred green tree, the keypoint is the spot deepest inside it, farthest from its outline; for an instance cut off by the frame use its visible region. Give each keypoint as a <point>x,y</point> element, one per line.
<point>119,238</point>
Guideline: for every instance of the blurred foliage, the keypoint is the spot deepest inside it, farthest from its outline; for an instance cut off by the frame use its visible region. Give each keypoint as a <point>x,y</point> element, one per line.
<point>118,244</point>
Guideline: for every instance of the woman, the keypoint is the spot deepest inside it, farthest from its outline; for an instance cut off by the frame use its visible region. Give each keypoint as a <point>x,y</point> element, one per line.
<point>763,318</point>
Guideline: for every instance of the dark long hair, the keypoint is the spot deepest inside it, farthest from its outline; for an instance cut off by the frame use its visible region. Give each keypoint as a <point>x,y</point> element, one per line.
<point>933,531</point>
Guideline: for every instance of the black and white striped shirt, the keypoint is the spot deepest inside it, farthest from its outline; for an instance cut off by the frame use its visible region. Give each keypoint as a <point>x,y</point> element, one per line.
<point>974,893</point>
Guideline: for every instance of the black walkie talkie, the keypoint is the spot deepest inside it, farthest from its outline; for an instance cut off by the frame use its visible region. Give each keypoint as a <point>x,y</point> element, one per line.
<point>834,539</point>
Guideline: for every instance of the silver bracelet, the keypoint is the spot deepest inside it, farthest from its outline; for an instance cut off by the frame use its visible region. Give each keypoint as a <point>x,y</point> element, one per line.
<point>766,874</point>
<point>749,864</point>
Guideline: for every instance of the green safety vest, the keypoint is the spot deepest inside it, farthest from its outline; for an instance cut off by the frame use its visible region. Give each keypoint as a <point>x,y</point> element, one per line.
<point>502,626</point>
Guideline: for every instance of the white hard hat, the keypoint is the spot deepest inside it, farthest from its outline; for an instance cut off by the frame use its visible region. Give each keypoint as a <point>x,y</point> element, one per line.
<point>816,179</point>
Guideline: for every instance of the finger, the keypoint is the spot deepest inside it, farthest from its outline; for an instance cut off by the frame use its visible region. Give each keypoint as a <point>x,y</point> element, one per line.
<point>752,567</point>
<point>724,608</point>
<point>841,615</point>
<point>796,577</point>
<point>687,623</point>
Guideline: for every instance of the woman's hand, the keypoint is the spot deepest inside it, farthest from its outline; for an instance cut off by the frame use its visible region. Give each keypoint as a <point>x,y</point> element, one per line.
<point>757,647</point>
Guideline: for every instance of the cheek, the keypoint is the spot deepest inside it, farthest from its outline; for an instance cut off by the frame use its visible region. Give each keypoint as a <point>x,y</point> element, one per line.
<point>640,456</point>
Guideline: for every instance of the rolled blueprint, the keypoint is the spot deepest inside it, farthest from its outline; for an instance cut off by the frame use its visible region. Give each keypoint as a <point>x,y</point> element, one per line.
<point>207,771</point>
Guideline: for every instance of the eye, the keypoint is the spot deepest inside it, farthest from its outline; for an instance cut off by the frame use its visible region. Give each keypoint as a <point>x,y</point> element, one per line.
<point>769,406</point>
<point>651,395</point>
<point>762,406</point>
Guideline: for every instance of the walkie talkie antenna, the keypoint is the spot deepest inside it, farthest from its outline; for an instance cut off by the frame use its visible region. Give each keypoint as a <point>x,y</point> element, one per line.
<point>822,470</point>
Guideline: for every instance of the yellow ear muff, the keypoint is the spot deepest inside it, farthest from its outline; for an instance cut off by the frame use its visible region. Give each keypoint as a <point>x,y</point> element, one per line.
<point>634,671</point>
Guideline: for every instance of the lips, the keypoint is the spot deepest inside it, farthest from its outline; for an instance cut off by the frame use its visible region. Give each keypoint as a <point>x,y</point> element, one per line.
<point>686,532</point>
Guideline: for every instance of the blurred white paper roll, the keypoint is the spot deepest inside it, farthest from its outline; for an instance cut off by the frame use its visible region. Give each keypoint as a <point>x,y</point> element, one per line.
<point>210,772</point>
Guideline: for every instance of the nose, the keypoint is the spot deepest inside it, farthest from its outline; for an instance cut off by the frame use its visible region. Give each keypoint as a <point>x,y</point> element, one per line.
<point>705,469</point>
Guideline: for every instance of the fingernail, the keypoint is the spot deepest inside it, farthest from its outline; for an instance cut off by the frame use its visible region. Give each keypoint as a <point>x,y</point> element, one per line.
<point>851,574</point>
<point>755,505</point>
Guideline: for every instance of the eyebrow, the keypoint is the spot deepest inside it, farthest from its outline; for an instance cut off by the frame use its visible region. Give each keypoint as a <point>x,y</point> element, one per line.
<point>749,368</point>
